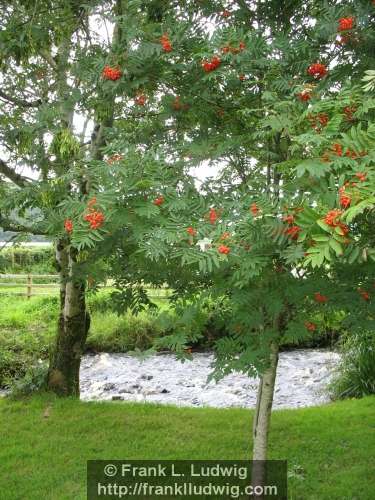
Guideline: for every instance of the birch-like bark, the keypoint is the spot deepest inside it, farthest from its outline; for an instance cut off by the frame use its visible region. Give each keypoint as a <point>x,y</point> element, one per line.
<point>74,319</point>
<point>262,417</point>
<point>73,326</point>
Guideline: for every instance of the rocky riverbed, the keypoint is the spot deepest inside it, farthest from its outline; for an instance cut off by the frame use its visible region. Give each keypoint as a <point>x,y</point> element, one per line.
<point>301,379</point>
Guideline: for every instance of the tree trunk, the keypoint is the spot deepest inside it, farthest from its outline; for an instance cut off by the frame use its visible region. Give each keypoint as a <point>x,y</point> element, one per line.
<point>262,418</point>
<point>73,325</point>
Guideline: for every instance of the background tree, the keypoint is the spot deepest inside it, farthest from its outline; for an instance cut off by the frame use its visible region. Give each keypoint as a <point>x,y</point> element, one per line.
<point>67,94</point>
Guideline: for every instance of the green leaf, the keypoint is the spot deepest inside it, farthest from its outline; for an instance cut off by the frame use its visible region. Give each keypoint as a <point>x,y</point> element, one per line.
<point>335,245</point>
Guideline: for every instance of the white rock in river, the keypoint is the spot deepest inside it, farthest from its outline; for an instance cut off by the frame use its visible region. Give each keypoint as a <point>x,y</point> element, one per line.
<point>301,378</point>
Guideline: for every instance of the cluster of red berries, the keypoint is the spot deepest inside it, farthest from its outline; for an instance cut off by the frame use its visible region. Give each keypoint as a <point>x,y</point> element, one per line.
<point>233,50</point>
<point>361,176</point>
<point>159,201</point>
<point>165,42</point>
<point>95,218</point>
<point>140,100</point>
<point>349,111</point>
<point>289,219</point>
<point>365,295</point>
<point>322,299</point>
<point>68,225</point>
<point>310,326</point>
<point>318,121</point>
<point>111,73</point>
<point>317,70</point>
<point>337,149</point>
<point>304,96</point>
<point>346,23</point>
<point>254,209</point>
<point>344,198</point>
<point>226,13</point>
<point>344,39</point>
<point>114,158</point>
<point>293,231</point>
<point>213,216</point>
<point>211,65</point>
<point>332,219</point>
<point>191,231</point>
<point>224,249</point>
<point>178,106</point>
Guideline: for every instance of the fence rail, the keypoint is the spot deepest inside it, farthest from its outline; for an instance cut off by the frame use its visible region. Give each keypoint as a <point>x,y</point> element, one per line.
<point>30,288</point>
<point>29,284</point>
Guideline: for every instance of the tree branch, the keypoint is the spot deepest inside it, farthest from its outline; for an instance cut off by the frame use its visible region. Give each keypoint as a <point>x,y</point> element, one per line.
<point>15,227</point>
<point>12,175</point>
<point>20,102</point>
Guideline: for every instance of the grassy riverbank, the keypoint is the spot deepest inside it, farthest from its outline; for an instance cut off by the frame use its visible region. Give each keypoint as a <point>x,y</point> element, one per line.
<point>45,443</point>
<point>27,329</point>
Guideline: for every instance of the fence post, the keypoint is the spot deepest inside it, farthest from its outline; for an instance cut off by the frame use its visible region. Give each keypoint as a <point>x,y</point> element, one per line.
<point>29,285</point>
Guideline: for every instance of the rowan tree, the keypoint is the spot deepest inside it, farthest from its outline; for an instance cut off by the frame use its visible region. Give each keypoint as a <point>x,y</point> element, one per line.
<point>258,93</point>
<point>72,77</point>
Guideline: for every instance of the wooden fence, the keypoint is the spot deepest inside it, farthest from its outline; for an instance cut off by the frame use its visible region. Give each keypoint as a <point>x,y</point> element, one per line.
<point>26,281</point>
<point>28,285</point>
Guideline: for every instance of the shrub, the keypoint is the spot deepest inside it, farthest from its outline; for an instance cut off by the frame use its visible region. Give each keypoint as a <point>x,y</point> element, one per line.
<point>355,375</point>
<point>37,260</point>
<point>34,380</point>
<point>112,333</point>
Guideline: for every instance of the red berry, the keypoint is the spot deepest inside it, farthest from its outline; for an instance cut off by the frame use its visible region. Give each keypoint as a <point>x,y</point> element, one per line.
<point>114,158</point>
<point>140,100</point>
<point>213,216</point>
<point>177,106</point>
<point>165,42</point>
<point>254,209</point>
<point>337,148</point>
<point>310,326</point>
<point>304,96</point>
<point>317,70</point>
<point>361,176</point>
<point>159,201</point>
<point>212,64</point>
<point>92,202</point>
<point>224,249</point>
<point>346,23</point>
<point>320,298</point>
<point>365,295</point>
<point>95,219</point>
<point>110,73</point>
<point>345,200</point>
<point>191,231</point>
<point>68,225</point>
<point>289,219</point>
<point>331,218</point>
<point>293,232</point>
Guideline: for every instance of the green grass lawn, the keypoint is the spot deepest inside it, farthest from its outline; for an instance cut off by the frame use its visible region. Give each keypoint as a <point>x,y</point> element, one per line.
<point>330,449</point>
